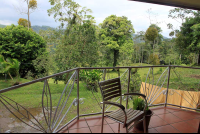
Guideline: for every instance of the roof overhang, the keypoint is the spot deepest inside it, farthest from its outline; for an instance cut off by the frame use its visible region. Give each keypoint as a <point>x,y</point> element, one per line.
<point>189,4</point>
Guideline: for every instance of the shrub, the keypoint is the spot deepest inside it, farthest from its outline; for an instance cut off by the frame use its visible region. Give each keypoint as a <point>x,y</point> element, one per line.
<point>91,77</point>
<point>17,42</point>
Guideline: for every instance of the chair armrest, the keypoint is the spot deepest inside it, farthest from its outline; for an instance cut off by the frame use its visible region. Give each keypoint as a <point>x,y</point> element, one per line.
<point>135,94</point>
<point>114,103</point>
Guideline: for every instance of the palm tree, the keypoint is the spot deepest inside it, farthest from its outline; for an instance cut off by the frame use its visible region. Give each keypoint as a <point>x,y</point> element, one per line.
<point>14,64</point>
<point>4,66</point>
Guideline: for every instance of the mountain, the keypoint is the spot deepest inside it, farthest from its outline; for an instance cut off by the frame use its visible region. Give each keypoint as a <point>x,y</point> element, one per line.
<point>35,28</point>
<point>2,26</point>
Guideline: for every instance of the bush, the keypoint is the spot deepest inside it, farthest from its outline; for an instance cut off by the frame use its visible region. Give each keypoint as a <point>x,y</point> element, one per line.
<point>154,59</point>
<point>17,42</point>
<point>91,77</point>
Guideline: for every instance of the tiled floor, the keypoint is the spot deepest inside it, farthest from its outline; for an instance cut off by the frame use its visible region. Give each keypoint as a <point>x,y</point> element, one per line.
<point>164,120</point>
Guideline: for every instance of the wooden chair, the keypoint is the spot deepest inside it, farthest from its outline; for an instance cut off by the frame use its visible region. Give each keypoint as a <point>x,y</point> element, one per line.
<point>111,89</point>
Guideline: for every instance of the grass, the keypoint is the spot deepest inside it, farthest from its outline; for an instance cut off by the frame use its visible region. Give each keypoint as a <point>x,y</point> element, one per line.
<point>31,96</point>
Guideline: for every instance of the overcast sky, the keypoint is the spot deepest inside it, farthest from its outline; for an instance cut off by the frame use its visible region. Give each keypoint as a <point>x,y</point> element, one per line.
<point>135,11</point>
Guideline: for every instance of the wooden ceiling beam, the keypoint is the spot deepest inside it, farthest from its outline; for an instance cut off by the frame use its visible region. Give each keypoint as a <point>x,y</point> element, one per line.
<point>189,4</point>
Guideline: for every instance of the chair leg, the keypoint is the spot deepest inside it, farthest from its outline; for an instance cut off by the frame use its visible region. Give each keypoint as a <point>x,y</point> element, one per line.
<point>102,119</point>
<point>126,129</point>
<point>102,124</point>
<point>119,128</point>
<point>144,125</point>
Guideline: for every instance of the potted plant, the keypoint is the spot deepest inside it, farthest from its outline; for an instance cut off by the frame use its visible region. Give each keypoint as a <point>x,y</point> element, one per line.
<point>139,104</point>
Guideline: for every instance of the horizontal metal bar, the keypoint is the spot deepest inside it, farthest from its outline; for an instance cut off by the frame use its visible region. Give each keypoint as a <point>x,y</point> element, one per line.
<point>126,67</point>
<point>183,107</point>
<point>35,81</point>
<point>66,125</point>
<point>83,115</point>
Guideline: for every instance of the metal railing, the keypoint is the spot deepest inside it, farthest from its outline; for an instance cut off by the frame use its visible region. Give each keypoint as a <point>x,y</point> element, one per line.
<point>155,87</point>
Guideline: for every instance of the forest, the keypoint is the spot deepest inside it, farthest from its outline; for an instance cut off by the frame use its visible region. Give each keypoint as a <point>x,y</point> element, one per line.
<point>79,42</point>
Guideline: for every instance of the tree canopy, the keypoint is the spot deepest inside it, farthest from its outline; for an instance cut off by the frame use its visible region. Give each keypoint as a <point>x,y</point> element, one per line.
<point>115,32</point>
<point>19,43</point>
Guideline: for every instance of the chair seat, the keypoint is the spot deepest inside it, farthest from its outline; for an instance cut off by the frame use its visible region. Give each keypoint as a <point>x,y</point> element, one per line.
<point>132,115</point>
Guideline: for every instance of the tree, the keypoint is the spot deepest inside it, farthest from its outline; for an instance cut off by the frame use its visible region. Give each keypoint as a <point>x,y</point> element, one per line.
<point>68,12</point>
<point>115,32</point>
<point>189,37</point>
<point>24,22</point>
<point>78,46</point>
<point>31,6</point>
<point>179,15</point>
<point>17,42</point>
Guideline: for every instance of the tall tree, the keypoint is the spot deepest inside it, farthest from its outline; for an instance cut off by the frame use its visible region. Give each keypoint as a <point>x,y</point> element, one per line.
<point>31,6</point>
<point>79,43</point>
<point>115,32</point>
<point>68,12</point>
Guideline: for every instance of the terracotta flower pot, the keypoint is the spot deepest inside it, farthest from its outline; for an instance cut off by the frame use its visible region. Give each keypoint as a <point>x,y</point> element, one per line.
<point>139,126</point>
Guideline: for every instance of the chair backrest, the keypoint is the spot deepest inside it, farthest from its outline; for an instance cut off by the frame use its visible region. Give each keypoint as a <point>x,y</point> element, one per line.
<point>110,89</point>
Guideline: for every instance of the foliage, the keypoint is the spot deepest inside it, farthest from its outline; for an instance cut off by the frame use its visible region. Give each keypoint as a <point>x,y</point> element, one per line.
<point>151,34</point>
<point>115,32</point>
<point>126,52</point>
<point>32,4</point>
<point>189,37</point>
<point>179,14</point>
<point>154,59</point>
<point>43,65</point>
<point>91,77</point>
<point>17,42</point>
<point>4,66</point>
<point>139,104</point>
<point>135,84</point>
<point>10,66</point>
<point>68,11</point>
<point>24,22</point>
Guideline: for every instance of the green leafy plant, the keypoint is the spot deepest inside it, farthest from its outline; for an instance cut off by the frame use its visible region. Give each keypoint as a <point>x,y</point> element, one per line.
<point>139,104</point>
<point>91,77</point>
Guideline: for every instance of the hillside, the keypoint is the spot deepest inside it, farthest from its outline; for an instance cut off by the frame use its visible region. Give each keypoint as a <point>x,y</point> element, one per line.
<point>35,28</point>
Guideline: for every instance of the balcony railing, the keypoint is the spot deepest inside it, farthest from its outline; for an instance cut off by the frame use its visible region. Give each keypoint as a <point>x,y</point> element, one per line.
<point>163,85</point>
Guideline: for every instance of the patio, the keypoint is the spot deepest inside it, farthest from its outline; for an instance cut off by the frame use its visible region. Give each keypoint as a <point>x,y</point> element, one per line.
<point>164,120</point>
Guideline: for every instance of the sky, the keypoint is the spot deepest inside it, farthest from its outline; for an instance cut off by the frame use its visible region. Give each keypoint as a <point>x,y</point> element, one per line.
<point>137,12</point>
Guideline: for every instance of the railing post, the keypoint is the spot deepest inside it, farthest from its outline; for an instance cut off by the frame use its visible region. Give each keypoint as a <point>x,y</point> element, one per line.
<point>78,93</point>
<point>129,75</point>
<point>167,86</point>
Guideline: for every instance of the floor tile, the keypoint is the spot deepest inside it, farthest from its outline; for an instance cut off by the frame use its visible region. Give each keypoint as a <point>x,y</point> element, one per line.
<point>194,123</point>
<point>184,115</point>
<point>81,130</point>
<point>109,121</point>
<point>173,109</point>
<point>151,130</point>
<point>170,118</point>
<point>184,127</point>
<point>157,121</point>
<point>78,124</point>
<point>166,129</point>
<point>95,121</point>
<point>115,126</point>
<point>159,111</point>
<point>97,129</point>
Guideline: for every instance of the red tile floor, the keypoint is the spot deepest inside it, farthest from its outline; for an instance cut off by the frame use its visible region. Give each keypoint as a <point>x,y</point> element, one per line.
<point>164,120</point>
